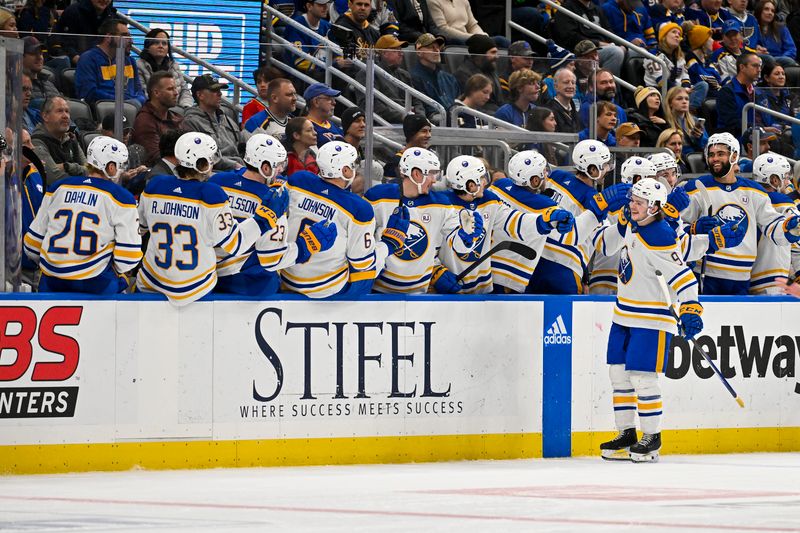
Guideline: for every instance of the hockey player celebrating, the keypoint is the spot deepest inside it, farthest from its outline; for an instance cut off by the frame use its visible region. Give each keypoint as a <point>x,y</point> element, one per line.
<point>255,274</point>
<point>467,176</point>
<point>523,190</point>
<point>86,231</point>
<point>724,197</point>
<point>349,267</point>
<point>773,172</point>
<point>434,223</point>
<point>191,225</point>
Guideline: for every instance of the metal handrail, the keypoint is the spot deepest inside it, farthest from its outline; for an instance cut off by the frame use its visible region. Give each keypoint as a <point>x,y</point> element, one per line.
<point>614,38</point>
<point>768,111</point>
<point>194,59</point>
<point>337,49</point>
<point>457,110</point>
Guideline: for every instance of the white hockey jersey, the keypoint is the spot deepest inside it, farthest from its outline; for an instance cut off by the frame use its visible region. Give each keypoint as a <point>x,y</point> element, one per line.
<point>191,226</point>
<point>351,258</point>
<point>772,260</point>
<point>82,225</point>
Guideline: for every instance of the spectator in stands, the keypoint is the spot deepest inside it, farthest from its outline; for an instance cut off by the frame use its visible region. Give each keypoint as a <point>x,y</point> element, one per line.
<point>389,50</point>
<point>563,105</point>
<point>588,61</point>
<point>524,87</point>
<point>630,20</point>
<point>33,63</point>
<point>708,13</point>
<point>648,114</point>
<point>167,161</point>
<point>558,58</point>
<point>605,125</point>
<point>31,117</point>
<point>282,99</point>
<point>261,76</point>
<point>628,135</point>
<point>418,131</point>
<point>413,18</point>
<point>542,119</point>
<point>155,118</point>
<point>301,142</point>
<point>156,56</point>
<point>679,117</point>
<point>670,36</point>
<point>482,59</point>
<point>772,93</point>
<point>571,32</point>
<point>95,76</point>
<point>428,75</point>
<point>454,20</point>
<point>36,17</point>
<point>602,84</point>
<point>354,126</point>
<point>54,143</point>
<point>746,142</point>
<point>738,92</point>
<point>314,18</point>
<point>136,167</point>
<point>775,38</point>
<point>750,32</point>
<point>725,57</point>
<point>8,24</point>
<point>477,92</point>
<point>208,117</point>
<point>662,11</point>
<point>520,56</point>
<point>320,102</point>
<point>793,20</point>
<point>700,69</point>
<point>77,30</point>
<point>673,139</point>
<point>356,20</point>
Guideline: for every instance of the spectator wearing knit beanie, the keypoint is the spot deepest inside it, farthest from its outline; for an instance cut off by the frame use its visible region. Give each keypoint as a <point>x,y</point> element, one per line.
<point>698,64</point>
<point>482,59</point>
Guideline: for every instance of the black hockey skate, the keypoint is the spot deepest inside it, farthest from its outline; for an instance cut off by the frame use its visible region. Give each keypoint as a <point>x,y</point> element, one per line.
<point>617,448</point>
<point>646,450</point>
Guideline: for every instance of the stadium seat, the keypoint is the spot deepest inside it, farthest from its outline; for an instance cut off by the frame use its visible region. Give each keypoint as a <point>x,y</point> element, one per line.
<point>792,76</point>
<point>106,107</point>
<point>696,163</point>
<point>633,71</point>
<point>67,82</point>
<point>709,112</point>
<point>87,138</point>
<point>80,111</point>
<point>453,56</point>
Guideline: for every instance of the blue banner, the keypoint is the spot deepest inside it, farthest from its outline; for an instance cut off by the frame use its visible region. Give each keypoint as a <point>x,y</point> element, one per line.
<point>557,377</point>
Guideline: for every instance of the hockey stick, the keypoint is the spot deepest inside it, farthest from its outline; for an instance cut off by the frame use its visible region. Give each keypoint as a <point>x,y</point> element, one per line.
<point>663,284</point>
<point>516,247</point>
<point>701,189</point>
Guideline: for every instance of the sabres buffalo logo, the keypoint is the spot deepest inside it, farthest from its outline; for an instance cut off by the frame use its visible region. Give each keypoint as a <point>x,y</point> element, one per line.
<point>416,243</point>
<point>733,213</point>
<point>475,254</point>
<point>625,266</point>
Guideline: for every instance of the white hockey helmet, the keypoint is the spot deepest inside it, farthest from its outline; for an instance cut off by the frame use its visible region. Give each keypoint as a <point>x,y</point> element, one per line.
<point>528,164</point>
<point>663,161</point>
<point>590,153</point>
<point>651,190</point>
<point>425,160</point>
<point>333,156</point>
<point>104,150</point>
<point>262,148</point>
<point>464,169</point>
<point>728,140</point>
<point>635,168</point>
<point>769,164</point>
<point>197,151</point>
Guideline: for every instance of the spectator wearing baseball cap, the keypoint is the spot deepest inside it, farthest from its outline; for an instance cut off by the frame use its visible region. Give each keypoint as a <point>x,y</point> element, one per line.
<point>520,56</point>
<point>315,19</point>
<point>482,59</point>
<point>33,63</point>
<point>428,75</point>
<point>571,32</point>
<point>628,135</point>
<point>725,56</point>
<point>737,9</point>
<point>588,59</point>
<point>207,117</point>
<point>418,131</point>
<point>320,103</point>
<point>389,51</point>
<point>746,142</point>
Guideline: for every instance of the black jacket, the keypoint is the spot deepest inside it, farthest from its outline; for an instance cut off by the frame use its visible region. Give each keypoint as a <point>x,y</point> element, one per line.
<point>411,26</point>
<point>566,121</point>
<point>81,22</point>
<point>467,69</point>
<point>571,32</point>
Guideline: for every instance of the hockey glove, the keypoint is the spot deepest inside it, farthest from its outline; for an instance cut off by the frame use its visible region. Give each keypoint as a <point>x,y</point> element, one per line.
<point>691,323</point>
<point>791,229</point>
<point>725,236</point>
<point>704,225</point>
<point>316,238</point>
<point>469,236</point>
<point>276,199</point>
<point>394,236</point>
<point>265,218</point>
<point>609,200</point>
<point>677,201</point>
<point>555,218</point>
<point>444,281</point>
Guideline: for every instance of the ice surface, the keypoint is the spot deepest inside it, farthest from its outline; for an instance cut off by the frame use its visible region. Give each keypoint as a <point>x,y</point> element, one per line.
<point>753,492</point>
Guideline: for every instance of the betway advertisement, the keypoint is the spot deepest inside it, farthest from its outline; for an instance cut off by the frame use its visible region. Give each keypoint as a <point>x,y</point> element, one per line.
<point>339,369</point>
<point>756,345</point>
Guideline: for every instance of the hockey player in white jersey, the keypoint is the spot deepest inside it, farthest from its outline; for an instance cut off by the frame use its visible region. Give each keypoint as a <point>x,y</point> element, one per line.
<point>466,176</point>
<point>191,225</point>
<point>733,199</point>
<point>350,266</point>
<point>255,274</point>
<point>86,232</point>
<point>434,223</point>
<point>773,172</point>
<point>523,190</point>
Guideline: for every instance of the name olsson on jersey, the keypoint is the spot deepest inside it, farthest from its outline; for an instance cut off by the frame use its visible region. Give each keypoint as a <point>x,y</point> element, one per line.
<point>557,334</point>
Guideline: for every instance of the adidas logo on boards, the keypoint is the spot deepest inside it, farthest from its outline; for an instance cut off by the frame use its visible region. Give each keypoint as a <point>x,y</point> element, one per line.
<point>557,333</point>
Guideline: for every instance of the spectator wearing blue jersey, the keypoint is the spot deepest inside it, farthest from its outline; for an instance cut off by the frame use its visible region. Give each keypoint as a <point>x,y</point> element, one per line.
<point>605,125</point>
<point>662,11</point>
<point>708,13</point>
<point>320,102</point>
<point>630,20</point>
<point>775,38</point>
<point>314,18</point>
<point>428,75</point>
<point>700,69</point>
<point>524,89</point>
<point>772,93</point>
<point>750,30</point>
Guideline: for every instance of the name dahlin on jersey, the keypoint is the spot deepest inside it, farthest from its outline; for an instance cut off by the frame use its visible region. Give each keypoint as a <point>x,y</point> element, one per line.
<point>557,333</point>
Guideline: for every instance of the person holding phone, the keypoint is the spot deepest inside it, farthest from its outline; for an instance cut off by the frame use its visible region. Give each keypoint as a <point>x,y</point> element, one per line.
<point>681,118</point>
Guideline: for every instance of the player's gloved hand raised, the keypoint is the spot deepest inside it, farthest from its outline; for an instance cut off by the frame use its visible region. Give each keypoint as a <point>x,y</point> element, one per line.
<point>791,227</point>
<point>704,225</point>
<point>276,199</point>
<point>726,236</point>
<point>691,323</point>
<point>611,199</point>
<point>265,218</point>
<point>471,227</point>
<point>444,281</point>
<point>316,238</point>
<point>555,218</point>
<point>677,201</point>
<point>394,236</point>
